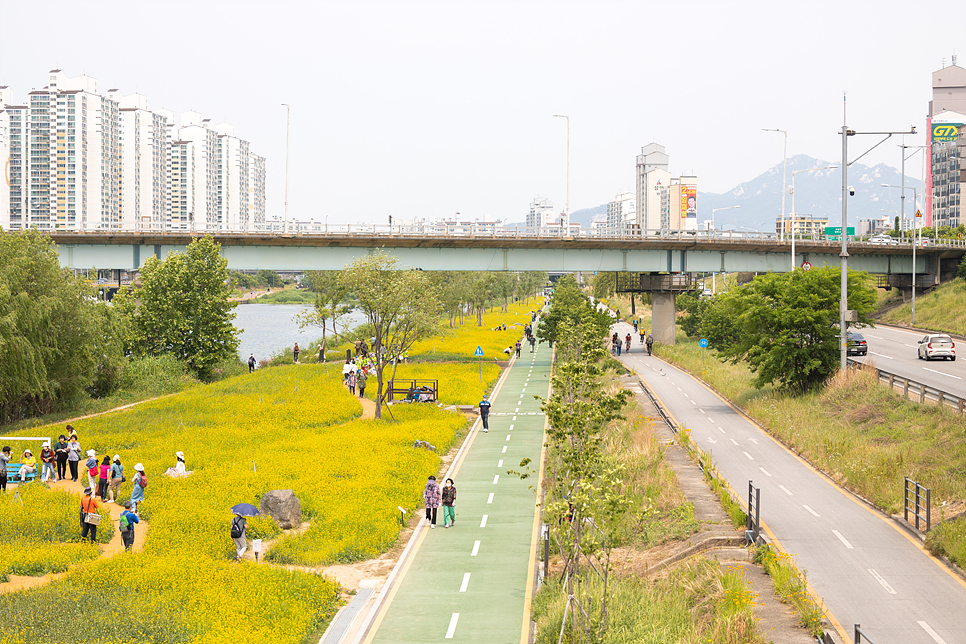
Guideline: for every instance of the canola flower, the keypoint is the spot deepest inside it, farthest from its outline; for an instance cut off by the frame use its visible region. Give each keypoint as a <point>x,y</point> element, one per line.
<point>463,340</point>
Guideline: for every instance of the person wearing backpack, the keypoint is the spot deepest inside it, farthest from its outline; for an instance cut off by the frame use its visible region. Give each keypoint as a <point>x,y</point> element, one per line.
<point>126,525</point>
<point>361,379</point>
<point>238,527</point>
<point>117,477</point>
<point>92,469</point>
<point>140,482</point>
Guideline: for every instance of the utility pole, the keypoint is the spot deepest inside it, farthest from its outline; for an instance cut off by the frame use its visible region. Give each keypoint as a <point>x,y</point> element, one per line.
<point>288,127</point>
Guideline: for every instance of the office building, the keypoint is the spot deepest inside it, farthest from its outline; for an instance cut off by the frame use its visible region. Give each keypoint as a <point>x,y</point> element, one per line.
<point>806,225</point>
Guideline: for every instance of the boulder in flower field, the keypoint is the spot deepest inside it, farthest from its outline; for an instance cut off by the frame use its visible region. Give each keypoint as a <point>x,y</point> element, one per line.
<point>284,507</point>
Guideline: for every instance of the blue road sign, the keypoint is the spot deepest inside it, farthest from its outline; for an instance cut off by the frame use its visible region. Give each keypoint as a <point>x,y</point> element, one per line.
<point>478,352</point>
<point>703,343</point>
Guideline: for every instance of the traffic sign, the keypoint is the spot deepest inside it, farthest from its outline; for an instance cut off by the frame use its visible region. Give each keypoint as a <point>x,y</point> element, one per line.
<point>918,213</point>
<point>806,266</point>
<point>837,230</point>
<point>479,352</point>
<point>703,343</point>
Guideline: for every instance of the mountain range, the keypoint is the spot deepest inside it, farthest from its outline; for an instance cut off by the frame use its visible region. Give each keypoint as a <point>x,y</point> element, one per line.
<point>818,193</point>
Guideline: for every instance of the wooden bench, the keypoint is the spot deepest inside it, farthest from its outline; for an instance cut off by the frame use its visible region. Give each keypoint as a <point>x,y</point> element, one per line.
<point>406,386</point>
<point>13,473</point>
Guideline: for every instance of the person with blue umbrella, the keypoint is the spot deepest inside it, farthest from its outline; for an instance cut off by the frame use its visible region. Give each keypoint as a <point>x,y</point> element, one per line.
<point>239,526</point>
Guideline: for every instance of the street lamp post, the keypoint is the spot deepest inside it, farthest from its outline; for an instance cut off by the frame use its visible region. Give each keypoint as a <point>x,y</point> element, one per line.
<point>564,116</point>
<point>915,225</point>
<point>288,123</point>
<point>714,210</point>
<point>784,167</point>
<point>794,212</point>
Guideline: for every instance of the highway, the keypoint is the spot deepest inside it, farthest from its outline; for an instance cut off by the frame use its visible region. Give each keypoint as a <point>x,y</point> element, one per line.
<point>866,568</point>
<point>895,350</point>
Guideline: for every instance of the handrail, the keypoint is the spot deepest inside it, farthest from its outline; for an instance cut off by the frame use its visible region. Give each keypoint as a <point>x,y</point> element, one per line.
<point>923,391</point>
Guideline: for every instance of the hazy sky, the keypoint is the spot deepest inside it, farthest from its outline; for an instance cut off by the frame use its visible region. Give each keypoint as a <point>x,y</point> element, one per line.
<point>428,108</point>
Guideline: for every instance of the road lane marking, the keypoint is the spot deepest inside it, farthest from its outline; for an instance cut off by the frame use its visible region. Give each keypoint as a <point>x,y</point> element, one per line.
<point>711,440</point>
<point>811,510</point>
<point>500,464</point>
<point>942,374</point>
<point>686,396</point>
<point>511,428</point>
<point>882,581</point>
<point>483,522</point>
<point>504,450</point>
<point>490,498</point>
<point>476,548</point>
<point>733,441</point>
<point>679,389</point>
<point>496,479</point>
<point>692,402</point>
<point>516,410</point>
<point>466,582</point>
<point>882,355</point>
<point>452,626</point>
<point>750,457</point>
<point>711,420</point>
<point>721,430</point>
<point>508,437</point>
<point>843,539</point>
<point>702,411</point>
<point>786,490</point>
<point>933,634</point>
<point>514,418</point>
<point>764,471</point>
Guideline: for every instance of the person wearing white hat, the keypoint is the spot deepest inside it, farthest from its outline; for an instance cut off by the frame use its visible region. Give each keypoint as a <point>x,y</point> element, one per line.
<point>28,465</point>
<point>117,477</point>
<point>47,458</point>
<point>140,482</point>
<point>179,469</point>
<point>92,468</point>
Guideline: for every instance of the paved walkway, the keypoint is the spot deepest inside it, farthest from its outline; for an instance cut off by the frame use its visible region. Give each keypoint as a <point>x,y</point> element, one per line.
<point>471,583</point>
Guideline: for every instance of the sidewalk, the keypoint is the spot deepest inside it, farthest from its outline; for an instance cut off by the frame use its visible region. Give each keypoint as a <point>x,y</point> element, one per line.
<point>472,582</point>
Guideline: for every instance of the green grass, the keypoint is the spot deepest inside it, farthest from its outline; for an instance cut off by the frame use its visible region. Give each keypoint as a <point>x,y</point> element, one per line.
<point>791,588</point>
<point>287,296</point>
<point>939,310</point>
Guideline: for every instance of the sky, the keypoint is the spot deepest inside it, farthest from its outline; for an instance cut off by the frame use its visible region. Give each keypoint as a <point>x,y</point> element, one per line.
<point>426,109</point>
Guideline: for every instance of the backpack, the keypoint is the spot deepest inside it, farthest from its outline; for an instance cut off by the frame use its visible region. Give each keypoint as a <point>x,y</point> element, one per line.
<point>124,524</point>
<point>236,528</point>
<point>144,480</point>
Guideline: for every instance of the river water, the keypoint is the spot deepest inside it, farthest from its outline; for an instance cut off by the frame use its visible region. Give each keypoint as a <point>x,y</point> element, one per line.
<point>269,328</point>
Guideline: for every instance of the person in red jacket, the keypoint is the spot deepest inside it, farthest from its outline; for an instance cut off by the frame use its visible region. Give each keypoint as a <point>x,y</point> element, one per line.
<point>104,478</point>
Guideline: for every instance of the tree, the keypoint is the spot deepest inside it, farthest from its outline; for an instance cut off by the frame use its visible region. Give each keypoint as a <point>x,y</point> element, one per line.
<point>961,271</point>
<point>604,284</point>
<point>401,306</point>
<point>504,285</point>
<point>181,307</point>
<point>785,326</point>
<point>55,339</point>
<point>569,304</point>
<point>330,308</point>
<point>480,294</point>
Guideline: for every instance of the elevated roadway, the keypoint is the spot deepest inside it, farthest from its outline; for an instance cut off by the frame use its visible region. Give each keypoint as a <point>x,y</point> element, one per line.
<point>698,252</point>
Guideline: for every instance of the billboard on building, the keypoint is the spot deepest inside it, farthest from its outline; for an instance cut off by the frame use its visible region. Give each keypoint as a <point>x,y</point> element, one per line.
<point>942,132</point>
<point>689,202</point>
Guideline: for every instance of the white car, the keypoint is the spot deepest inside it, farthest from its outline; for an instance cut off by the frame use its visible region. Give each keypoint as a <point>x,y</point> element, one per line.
<point>937,346</point>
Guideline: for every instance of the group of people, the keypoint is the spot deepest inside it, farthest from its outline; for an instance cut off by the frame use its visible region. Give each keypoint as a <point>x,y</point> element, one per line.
<point>616,345</point>
<point>354,376</point>
<point>90,519</point>
<point>433,495</point>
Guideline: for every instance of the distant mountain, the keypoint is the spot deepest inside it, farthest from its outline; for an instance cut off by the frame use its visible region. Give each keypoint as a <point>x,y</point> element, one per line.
<point>818,193</point>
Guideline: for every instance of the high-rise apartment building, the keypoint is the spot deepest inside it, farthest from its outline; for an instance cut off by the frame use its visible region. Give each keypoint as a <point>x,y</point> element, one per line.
<point>679,199</point>
<point>541,214</point>
<point>621,215</point>
<point>78,160</point>
<point>945,121</point>
<point>652,175</point>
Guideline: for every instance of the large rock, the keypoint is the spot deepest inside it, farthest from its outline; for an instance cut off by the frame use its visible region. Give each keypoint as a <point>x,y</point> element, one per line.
<point>284,507</point>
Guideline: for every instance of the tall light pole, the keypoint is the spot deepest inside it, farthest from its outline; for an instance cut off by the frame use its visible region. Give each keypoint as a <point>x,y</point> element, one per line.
<point>784,167</point>
<point>288,124</point>
<point>564,116</point>
<point>915,222</point>
<point>844,255</point>
<point>792,230</point>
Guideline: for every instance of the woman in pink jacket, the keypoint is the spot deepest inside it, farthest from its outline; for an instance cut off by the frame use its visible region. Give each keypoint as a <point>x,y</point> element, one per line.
<point>432,496</point>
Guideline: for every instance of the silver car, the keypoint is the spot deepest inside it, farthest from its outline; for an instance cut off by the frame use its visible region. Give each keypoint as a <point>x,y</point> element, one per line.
<point>937,346</point>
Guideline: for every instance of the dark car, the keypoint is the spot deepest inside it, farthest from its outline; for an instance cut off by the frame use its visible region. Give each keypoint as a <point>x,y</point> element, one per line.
<point>857,345</point>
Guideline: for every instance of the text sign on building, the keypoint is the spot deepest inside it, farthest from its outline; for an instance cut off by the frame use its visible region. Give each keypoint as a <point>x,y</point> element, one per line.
<point>945,132</point>
<point>689,202</point>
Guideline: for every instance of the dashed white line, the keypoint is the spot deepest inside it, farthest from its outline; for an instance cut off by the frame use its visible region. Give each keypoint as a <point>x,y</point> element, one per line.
<point>483,522</point>
<point>476,548</point>
<point>508,436</point>
<point>686,396</point>
<point>764,471</point>
<point>516,410</point>
<point>504,450</point>
<point>720,429</point>
<point>693,403</point>
<point>511,428</point>
<point>466,582</point>
<point>843,539</point>
<point>711,420</point>
<point>733,441</point>
<point>452,626</point>
<point>785,490</point>
<point>500,464</point>
<point>881,355</point>
<point>750,457</point>
<point>514,418</point>
<point>814,513</point>
<point>942,374</point>
<point>490,498</point>
<point>933,634</point>
<point>679,389</point>
<point>702,411</point>
<point>496,479</point>
<point>885,584</point>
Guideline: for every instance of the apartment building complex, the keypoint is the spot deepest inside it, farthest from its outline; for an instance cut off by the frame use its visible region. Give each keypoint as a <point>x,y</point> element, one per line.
<point>78,160</point>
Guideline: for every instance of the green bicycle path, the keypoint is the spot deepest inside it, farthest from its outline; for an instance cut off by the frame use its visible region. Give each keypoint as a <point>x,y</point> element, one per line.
<point>469,583</point>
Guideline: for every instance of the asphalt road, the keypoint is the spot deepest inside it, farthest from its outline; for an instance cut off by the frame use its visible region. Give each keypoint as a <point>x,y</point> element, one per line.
<point>895,350</point>
<point>866,568</point>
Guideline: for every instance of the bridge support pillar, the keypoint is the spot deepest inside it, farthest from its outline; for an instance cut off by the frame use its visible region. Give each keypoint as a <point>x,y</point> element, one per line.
<point>663,317</point>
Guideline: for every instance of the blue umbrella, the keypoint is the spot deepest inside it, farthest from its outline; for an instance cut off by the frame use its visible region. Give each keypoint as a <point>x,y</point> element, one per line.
<point>245,510</point>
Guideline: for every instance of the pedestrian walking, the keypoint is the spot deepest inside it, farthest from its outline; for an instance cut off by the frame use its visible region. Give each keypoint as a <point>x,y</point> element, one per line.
<point>238,528</point>
<point>251,363</point>
<point>73,456</point>
<point>618,345</point>
<point>89,517</point>
<point>485,413</point>
<point>126,526</point>
<point>92,469</point>
<point>533,342</point>
<point>28,465</point>
<point>649,343</point>
<point>432,496</point>
<point>47,458</point>
<point>295,352</point>
<point>346,368</point>
<point>351,382</point>
<point>449,503</point>
<point>60,449</point>
<point>517,348</point>
<point>104,478</point>
<point>140,482</point>
<point>117,477</point>
<point>321,354</point>
<point>361,379</point>
<point>4,462</point>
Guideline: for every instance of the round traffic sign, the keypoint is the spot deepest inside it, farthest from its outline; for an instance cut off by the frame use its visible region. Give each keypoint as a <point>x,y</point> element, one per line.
<point>703,343</point>
<point>806,266</point>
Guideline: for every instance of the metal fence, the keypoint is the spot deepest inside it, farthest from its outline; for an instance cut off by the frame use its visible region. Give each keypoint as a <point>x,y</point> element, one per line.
<point>860,634</point>
<point>914,496</point>
<point>913,390</point>
<point>753,520</point>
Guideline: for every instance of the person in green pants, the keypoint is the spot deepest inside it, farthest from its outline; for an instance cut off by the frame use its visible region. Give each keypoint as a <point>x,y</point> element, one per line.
<point>449,501</point>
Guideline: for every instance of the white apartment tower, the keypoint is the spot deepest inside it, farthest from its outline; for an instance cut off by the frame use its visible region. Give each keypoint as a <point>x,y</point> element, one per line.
<point>541,214</point>
<point>621,214</point>
<point>652,176</point>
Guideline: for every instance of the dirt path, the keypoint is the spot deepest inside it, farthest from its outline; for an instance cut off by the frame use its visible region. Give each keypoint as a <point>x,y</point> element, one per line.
<point>114,547</point>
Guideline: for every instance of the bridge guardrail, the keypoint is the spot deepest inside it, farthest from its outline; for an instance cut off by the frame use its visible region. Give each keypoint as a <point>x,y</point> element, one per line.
<point>920,391</point>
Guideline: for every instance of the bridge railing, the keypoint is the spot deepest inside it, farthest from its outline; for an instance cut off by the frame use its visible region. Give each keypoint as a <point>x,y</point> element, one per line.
<point>913,390</point>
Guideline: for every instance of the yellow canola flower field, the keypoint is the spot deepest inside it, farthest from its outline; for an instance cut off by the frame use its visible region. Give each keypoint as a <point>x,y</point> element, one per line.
<point>292,427</point>
<point>462,341</point>
<point>459,383</point>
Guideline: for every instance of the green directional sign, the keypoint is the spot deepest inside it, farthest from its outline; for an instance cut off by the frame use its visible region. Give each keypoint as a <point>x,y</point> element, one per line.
<point>837,230</point>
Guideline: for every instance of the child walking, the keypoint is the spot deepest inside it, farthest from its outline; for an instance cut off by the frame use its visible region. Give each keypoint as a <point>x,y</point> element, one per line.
<point>449,501</point>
